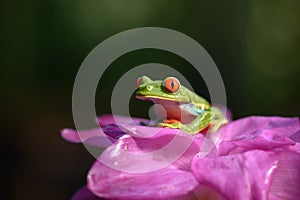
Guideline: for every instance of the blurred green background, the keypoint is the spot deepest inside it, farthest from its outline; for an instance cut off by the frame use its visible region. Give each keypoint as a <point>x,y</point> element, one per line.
<point>255,44</point>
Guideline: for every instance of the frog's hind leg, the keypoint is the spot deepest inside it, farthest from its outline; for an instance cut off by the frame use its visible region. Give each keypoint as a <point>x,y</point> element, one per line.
<point>218,121</point>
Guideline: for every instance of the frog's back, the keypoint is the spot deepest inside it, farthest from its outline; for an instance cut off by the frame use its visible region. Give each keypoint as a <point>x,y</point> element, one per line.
<point>197,101</point>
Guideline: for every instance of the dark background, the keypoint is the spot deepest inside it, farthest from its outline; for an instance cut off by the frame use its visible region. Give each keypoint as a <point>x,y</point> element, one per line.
<point>256,46</point>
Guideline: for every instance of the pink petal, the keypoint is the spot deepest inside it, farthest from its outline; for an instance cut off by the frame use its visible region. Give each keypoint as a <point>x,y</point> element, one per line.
<point>85,194</point>
<point>152,153</point>
<point>238,176</point>
<point>110,132</point>
<point>130,155</point>
<point>281,126</point>
<point>200,192</point>
<point>265,133</point>
<point>262,139</point>
<point>105,120</point>
<point>94,137</point>
<point>286,179</point>
<point>295,148</point>
<point>162,184</point>
<point>295,137</point>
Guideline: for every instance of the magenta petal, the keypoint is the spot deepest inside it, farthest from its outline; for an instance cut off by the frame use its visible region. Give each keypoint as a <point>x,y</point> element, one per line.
<point>238,176</point>
<point>263,140</point>
<point>152,153</point>
<point>295,137</point>
<point>136,155</point>
<point>110,130</point>
<point>166,183</point>
<point>105,120</point>
<point>85,194</point>
<point>286,179</point>
<point>281,126</point>
<point>264,133</point>
<point>70,135</point>
<point>92,137</point>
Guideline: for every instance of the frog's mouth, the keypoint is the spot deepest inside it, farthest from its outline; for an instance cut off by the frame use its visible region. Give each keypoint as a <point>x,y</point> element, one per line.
<point>153,98</point>
<point>158,100</point>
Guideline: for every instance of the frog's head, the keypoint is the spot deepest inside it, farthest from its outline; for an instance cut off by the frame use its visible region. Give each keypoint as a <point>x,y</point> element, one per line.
<point>167,90</point>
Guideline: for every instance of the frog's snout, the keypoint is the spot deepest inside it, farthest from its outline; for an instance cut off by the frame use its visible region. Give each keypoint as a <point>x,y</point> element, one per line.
<point>144,89</point>
<point>149,87</point>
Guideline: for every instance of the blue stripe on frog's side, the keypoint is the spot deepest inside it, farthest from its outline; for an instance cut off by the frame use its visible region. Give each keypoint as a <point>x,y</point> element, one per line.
<point>191,108</point>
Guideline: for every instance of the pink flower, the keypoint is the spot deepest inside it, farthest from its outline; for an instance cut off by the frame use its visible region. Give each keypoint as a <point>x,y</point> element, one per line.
<point>252,158</point>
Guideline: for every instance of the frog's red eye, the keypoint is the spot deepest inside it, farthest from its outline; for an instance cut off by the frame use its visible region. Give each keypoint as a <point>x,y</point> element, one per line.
<point>171,84</point>
<point>138,82</point>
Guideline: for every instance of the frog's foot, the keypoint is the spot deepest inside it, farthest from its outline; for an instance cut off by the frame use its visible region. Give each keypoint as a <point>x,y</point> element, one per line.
<point>173,124</point>
<point>144,123</point>
<point>217,124</point>
<point>151,123</point>
<point>218,121</point>
<point>171,121</point>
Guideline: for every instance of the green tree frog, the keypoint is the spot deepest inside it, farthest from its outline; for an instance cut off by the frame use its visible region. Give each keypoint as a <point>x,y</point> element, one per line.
<point>183,109</point>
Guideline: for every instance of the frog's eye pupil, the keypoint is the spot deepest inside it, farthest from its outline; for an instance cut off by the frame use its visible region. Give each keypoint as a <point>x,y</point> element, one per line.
<point>171,84</point>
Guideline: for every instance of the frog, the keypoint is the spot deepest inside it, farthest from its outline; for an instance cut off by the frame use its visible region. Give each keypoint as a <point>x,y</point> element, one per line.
<point>182,108</point>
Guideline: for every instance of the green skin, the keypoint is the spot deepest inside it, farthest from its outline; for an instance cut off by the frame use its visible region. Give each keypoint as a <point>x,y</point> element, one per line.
<point>191,112</point>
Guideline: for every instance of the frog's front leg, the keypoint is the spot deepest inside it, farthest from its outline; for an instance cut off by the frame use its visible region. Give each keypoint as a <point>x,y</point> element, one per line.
<point>198,124</point>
